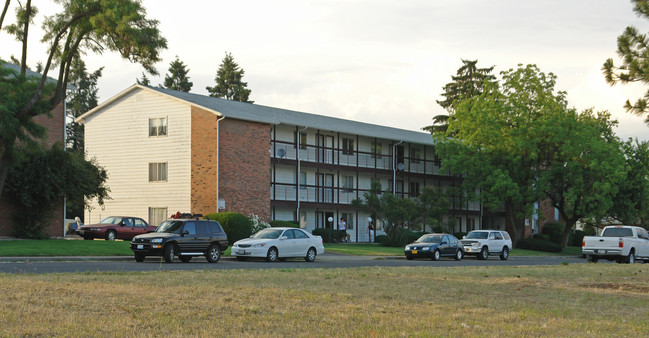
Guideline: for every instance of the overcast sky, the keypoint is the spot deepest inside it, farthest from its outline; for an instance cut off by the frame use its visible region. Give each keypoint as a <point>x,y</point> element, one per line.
<point>382,62</point>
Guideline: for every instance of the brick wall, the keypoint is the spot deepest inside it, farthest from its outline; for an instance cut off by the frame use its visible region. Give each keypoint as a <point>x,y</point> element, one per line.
<point>203,157</point>
<point>55,133</point>
<point>244,180</point>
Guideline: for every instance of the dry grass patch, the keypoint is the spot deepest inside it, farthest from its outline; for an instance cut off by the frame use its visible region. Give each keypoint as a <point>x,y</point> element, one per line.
<point>563,300</point>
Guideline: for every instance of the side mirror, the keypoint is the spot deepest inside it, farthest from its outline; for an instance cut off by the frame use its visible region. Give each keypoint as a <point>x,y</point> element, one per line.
<point>186,232</point>
<point>283,238</point>
<point>443,243</point>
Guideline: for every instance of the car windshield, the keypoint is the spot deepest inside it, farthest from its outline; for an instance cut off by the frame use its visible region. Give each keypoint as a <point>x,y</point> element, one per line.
<point>429,239</point>
<point>268,234</point>
<point>618,232</point>
<point>111,220</point>
<point>171,227</point>
<point>477,235</point>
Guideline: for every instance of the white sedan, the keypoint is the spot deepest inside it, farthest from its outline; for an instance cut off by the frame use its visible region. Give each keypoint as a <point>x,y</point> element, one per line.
<point>279,243</point>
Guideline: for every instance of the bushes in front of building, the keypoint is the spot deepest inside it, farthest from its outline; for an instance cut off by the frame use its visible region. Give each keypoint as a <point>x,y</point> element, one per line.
<point>284,224</point>
<point>577,236</point>
<point>553,231</point>
<point>538,245</point>
<point>235,225</point>
<point>329,235</point>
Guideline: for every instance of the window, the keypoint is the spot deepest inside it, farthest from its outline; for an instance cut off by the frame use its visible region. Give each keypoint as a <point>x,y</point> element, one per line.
<point>157,215</point>
<point>376,149</point>
<point>157,172</point>
<point>158,126</point>
<point>302,139</point>
<point>190,227</point>
<point>415,155</point>
<point>349,218</point>
<point>139,223</point>
<point>303,180</point>
<point>300,234</point>
<point>348,146</point>
<point>414,189</point>
<point>348,183</point>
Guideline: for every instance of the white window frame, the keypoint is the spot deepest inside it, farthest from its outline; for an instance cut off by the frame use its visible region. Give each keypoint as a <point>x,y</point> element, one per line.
<point>158,172</point>
<point>157,215</point>
<point>158,127</point>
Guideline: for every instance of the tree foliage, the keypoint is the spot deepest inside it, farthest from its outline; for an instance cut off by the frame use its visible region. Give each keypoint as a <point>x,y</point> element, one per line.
<point>469,81</point>
<point>40,181</point>
<point>633,49</point>
<point>82,26</point>
<point>229,81</point>
<point>177,78</point>
<point>402,213</point>
<point>631,205</point>
<point>81,100</point>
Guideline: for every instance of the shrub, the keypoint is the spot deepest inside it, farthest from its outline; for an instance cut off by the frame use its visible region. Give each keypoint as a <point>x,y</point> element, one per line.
<point>235,225</point>
<point>281,224</point>
<point>554,231</point>
<point>577,236</point>
<point>538,245</point>
<point>382,239</point>
<point>329,235</point>
<point>541,237</point>
<point>257,223</point>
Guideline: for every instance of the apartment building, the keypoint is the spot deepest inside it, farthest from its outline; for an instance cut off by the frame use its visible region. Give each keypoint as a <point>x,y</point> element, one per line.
<point>167,151</point>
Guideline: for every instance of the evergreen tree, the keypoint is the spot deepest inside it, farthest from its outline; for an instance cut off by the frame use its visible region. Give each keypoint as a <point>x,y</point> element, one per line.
<point>80,101</point>
<point>229,84</point>
<point>177,78</point>
<point>469,82</point>
<point>144,81</point>
<point>633,48</point>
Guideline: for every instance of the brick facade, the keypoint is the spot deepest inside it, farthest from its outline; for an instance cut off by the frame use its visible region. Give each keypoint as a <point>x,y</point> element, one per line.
<point>55,125</point>
<point>244,164</point>
<point>203,157</point>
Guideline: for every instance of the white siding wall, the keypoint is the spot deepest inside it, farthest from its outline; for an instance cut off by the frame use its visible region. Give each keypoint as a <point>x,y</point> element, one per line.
<point>118,137</point>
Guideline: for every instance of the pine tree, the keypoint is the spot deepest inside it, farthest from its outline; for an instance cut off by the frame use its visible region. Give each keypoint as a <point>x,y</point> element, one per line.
<point>80,101</point>
<point>144,81</point>
<point>177,78</point>
<point>470,81</point>
<point>229,84</point>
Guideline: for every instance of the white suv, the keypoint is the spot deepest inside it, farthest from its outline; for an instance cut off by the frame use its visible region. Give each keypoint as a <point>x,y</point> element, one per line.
<point>483,243</point>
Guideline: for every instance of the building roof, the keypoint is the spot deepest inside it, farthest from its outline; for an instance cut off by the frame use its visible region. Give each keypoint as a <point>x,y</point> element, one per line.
<point>264,114</point>
<point>31,73</point>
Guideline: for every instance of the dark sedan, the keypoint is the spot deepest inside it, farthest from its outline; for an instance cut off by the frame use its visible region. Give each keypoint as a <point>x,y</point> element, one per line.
<point>115,227</point>
<point>434,246</point>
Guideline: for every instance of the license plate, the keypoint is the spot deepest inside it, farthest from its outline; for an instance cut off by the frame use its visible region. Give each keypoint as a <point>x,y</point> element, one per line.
<point>414,252</point>
<point>241,252</point>
<point>140,246</point>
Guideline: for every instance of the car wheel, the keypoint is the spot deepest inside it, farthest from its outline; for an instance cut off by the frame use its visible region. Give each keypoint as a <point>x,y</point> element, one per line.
<point>591,259</point>
<point>458,255</point>
<point>504,254</point>
<point>272,255</point>
<point>213,254</point>
<point>111,235</point>
<point>169,252</point>
<point>241,258</point>
<point>310,255</point>
<point>185,259</point>
<point>630,259</point>
<point>409,257</point>
<point>139,257</point>
<point>436,255</point>
<point>484,253</point>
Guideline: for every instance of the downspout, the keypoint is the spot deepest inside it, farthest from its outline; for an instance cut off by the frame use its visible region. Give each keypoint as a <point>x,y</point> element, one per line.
<point>65,200</point>
<point>299,174</point>
<point>217,162</point>
<point>394,167</point>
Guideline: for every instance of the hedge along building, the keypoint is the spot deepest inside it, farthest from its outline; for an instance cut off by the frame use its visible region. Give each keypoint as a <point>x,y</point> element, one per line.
<point>167,151</point>
<point>55,125</point>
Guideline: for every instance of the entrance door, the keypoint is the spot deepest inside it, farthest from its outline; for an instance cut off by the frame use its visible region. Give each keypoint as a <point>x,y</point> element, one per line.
<point>325,188</point>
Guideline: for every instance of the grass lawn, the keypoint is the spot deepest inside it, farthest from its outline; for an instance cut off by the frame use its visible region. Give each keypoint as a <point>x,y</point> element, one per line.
<point>597,300</point>
<point>59,247</point>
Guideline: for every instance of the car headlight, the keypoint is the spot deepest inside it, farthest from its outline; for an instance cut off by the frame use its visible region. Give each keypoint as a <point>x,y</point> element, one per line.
<point>407,247</point>
<point>259,245</point>
<point>156,240</point>
<point>477,244</point>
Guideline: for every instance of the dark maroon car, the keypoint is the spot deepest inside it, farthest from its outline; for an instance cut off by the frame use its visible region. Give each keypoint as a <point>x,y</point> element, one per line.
<point>115,227</point>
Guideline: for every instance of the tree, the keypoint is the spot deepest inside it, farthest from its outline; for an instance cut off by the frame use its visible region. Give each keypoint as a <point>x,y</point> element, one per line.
<point>633,49</point>
<point>81,100</point>
<point>470,81</point>
<point>631,205</point>
<point>82,26</point>
<point>41,178</point>
<point>582,166</point>
<point>229,84</point>
<point>177,78</point>
<point>144,81</point>
<point>496,141</point>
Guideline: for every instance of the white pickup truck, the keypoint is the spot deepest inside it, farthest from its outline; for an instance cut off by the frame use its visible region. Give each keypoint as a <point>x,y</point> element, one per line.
<point>625,244</point>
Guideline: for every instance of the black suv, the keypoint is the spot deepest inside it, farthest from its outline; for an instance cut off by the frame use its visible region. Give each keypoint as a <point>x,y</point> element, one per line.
<point>184,238</point>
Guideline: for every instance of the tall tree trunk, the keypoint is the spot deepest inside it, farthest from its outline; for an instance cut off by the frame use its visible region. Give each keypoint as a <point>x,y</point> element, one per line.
<point>4,170</point>
<point>512,223</point>
<point>570,224</point>
<point>4,12</point>
<point>28,14</point>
